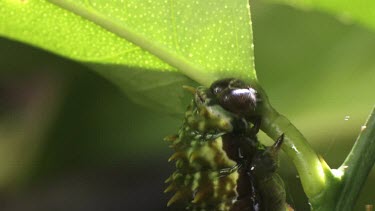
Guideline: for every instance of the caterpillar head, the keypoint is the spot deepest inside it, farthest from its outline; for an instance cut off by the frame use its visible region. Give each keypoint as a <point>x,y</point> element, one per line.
<point>236,96</point>
<point>207,116</point>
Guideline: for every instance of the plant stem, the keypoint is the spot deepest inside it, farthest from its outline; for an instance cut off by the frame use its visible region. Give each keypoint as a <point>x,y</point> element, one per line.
<point>310,169</point>
<point>357,165</point>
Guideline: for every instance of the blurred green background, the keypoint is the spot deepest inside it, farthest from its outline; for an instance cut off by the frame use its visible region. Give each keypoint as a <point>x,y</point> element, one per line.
<point>71,140</point>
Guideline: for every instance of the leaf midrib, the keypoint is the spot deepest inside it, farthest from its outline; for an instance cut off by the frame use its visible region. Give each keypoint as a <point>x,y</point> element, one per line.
<point>193,71</point>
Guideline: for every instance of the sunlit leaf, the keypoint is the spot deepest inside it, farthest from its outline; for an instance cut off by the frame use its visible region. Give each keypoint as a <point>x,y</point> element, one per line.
<point>142,46</point>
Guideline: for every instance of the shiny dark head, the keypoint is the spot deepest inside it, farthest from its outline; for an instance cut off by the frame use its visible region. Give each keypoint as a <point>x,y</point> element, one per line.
<point>236,96</point>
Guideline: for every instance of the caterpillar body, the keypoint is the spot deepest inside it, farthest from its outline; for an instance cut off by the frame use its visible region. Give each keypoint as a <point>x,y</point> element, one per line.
<point>220,164</point>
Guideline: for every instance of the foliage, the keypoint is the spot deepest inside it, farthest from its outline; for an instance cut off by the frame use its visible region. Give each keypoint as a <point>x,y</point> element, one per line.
<point>202,45</point>
<point>124,40</point>
<point>347,11</point>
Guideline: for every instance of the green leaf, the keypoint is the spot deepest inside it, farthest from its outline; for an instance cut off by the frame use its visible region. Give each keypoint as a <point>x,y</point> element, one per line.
<point>358,165</point>
<point>143,46</point>
<point>361,11</point>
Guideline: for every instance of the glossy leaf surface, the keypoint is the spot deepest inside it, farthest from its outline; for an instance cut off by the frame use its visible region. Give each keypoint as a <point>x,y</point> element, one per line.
<point>141,45</point>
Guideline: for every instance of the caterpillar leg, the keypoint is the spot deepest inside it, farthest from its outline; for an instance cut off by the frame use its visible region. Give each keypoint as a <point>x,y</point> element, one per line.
<point>277,145</point>
<point>227,171</point>
<point>255,129</point>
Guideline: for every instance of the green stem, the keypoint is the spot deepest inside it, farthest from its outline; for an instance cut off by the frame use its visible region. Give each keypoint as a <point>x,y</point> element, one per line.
<point>357,165</point>
<point>182,64</point>
<point>311,171</point>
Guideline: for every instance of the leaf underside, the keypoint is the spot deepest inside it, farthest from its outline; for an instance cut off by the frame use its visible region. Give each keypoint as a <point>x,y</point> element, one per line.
<point>142,46</point>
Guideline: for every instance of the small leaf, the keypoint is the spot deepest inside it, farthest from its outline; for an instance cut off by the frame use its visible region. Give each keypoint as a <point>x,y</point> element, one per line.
<point>141,45</point>
<point>348,11</point>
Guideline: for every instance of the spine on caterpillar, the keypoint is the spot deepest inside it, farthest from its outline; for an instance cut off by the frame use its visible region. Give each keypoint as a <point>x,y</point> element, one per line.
<point>204,178</point>
<point>220,165</point>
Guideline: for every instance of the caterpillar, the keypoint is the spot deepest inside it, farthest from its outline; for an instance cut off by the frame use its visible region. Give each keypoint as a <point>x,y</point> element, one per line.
<point>220,164</point>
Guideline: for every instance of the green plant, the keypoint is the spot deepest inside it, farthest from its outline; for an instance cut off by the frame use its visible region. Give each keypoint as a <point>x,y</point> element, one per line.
<point>145,46</point>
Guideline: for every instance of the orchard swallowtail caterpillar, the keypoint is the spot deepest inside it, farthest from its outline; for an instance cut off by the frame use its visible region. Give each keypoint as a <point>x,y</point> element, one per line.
<point>220,164</point>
